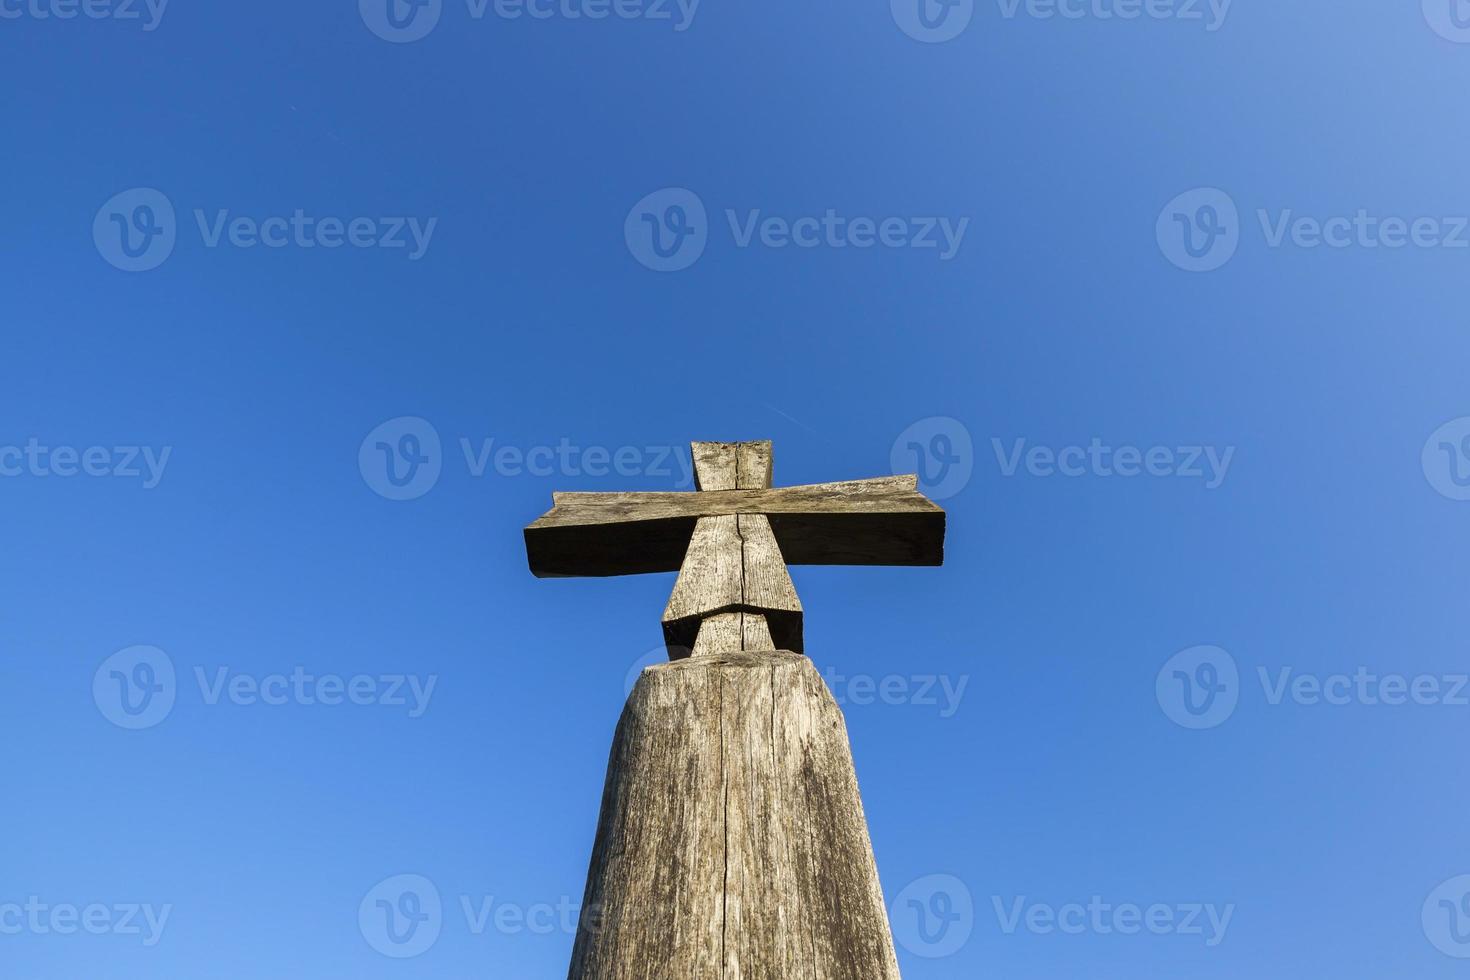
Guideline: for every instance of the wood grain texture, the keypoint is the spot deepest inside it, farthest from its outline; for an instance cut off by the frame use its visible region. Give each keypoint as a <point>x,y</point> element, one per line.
<point>732,564</point>
<point>716,466</point>
<point>732,465</point>
<point>767,584</point>
<point>731,632</point>
<point>755,632</point>
<point>754,465</point>
<point>720,633</point>
<point>732,841</point>
<point>711,578</point>
<point>857,522</point>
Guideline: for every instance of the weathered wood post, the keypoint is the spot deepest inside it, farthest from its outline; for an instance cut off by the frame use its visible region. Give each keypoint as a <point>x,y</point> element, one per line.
<point>732,841</point>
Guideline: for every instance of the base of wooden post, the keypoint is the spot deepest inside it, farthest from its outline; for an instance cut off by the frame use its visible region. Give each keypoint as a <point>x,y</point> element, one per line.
<point>732,841</point>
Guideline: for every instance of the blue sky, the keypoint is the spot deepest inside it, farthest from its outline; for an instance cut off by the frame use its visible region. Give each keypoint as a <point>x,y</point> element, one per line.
<point>1170,304</point>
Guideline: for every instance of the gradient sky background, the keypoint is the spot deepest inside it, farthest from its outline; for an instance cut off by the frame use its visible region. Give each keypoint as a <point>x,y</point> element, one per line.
<point>529,321</point>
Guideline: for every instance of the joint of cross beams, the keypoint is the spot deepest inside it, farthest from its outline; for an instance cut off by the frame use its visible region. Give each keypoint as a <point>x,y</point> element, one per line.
<point>784,626</point>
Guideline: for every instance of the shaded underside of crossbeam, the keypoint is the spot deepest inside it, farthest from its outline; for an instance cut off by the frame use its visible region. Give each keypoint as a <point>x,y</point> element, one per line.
<point>658,545</point>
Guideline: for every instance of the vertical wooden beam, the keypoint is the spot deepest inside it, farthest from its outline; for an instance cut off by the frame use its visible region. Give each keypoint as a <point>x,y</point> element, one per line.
<point>732,465</point>
<point>724,632</point>
<point>732,843</point>
<point>732,565</point>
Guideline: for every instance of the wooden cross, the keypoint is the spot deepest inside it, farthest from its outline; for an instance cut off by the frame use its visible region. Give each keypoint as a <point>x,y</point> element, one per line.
<point>731,542</point>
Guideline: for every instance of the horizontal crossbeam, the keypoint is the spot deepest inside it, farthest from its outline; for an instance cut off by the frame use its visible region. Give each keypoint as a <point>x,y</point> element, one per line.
<point>858,522</point>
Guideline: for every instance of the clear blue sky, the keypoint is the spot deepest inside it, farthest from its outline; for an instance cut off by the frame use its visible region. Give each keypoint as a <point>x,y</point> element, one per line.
<point>536,157</point>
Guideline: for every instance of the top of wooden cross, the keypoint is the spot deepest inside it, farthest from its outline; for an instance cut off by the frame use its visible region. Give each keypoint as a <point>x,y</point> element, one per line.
<point>731,541</point>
